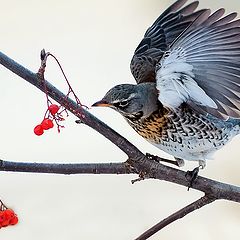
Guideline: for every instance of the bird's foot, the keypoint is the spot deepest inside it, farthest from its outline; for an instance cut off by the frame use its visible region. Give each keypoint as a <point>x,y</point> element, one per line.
<point>79,121</point>
<point>158,159</point>
<point>192,176</point>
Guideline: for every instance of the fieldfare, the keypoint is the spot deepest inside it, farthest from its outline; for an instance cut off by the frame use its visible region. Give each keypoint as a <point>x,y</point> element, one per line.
<point>187,97</point>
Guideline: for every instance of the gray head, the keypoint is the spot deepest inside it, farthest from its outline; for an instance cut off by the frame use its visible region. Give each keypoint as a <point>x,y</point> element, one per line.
<point>132,101</point>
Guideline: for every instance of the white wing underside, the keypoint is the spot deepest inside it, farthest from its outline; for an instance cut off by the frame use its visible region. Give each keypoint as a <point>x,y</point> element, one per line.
<point>202,67</point>
<point>176,84</point>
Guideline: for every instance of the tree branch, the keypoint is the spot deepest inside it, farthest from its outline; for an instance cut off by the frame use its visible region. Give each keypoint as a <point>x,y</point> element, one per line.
<point>137,161</point>
<point>150,169</point>
<point>59,168</point>
<point>175,216</point>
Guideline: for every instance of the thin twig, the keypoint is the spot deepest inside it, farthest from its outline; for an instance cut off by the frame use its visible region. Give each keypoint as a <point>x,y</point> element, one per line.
<point>175,216</point>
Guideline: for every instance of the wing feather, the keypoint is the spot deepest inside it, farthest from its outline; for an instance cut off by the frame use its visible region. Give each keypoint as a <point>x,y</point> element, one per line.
<point>157,39</point>
<point>207,56</point>
<point>230,17</point>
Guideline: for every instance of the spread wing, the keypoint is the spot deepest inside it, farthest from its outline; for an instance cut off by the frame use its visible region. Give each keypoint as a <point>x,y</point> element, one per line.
<point>202,67</point>
<point>167,27</point>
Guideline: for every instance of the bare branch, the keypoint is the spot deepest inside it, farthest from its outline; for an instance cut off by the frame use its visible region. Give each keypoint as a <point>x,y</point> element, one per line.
<point>137,161</point>
<point>210,187</point>
<point>70,105</point>
<point>175,216</point>
<point>151,170</point>
<point>59,168</point>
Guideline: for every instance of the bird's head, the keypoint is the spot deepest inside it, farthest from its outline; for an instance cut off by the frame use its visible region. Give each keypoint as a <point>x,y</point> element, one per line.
<point>131,101</point>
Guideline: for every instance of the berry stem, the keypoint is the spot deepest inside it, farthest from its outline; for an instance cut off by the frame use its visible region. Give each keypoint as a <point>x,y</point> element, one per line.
<point>68,83</point>
<point>2,205</point>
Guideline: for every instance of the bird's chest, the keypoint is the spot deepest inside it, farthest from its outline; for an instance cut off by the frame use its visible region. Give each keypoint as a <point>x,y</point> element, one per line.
<point>154,128</point>
<point>183,132</point>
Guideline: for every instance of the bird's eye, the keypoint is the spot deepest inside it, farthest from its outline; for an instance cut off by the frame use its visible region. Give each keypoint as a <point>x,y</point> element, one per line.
<point>123,104</point>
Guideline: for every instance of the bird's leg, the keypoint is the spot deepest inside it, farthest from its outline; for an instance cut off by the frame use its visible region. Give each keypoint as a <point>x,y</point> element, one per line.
<point>179,162</point>
<point>192,175</point>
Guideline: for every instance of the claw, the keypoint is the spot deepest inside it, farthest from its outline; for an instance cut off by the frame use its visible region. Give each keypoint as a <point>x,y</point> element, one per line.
<point>152,157</point>
<point>78,121</point>
<point>158,159</point>
<point>180,162</point>
<point>192,176</point>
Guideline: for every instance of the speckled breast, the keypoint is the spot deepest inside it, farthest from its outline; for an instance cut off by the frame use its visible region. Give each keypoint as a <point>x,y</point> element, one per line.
<point>185,134</point>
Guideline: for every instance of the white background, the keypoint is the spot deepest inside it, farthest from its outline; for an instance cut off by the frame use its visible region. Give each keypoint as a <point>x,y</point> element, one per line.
<point>94,40</point>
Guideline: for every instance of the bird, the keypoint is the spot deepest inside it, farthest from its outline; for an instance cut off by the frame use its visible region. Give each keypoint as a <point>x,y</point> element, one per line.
<point>186,100</point>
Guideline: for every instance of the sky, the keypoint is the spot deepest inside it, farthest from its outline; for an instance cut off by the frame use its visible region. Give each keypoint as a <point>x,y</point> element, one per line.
<point>94,41</point>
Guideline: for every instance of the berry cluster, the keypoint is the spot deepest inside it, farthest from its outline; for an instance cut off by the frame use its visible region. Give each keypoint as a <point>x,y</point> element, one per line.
<point>54,112</point>
<point>8,217</point>
<point>47,123</point>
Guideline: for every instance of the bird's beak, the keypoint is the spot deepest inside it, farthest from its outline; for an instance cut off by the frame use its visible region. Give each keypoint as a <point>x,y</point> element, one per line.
<point>102,103</point>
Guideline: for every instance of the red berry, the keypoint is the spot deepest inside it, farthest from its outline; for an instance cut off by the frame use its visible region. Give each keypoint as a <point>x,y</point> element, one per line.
<point>1,217</point>
<point>53,109</point>
<point>4,219</point>
<point>5,223</point>
<point>14,221</point>
<point>9,214</point>
<point>38,130</point>
<point>47,124</point>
